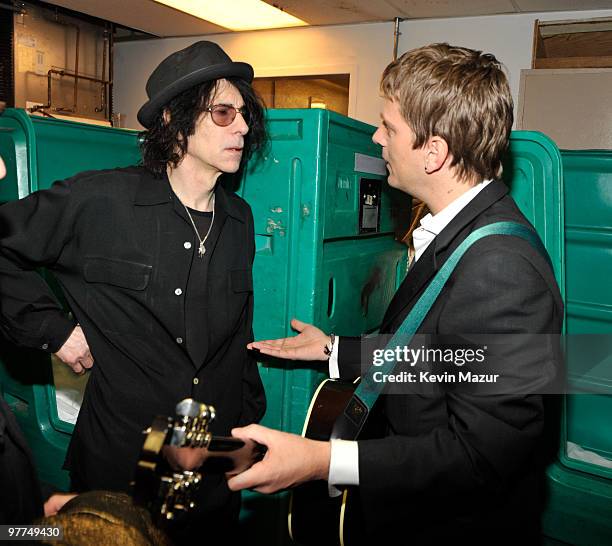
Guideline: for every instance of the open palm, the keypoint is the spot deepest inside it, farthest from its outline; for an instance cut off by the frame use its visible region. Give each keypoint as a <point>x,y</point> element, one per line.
<point>309,344</point>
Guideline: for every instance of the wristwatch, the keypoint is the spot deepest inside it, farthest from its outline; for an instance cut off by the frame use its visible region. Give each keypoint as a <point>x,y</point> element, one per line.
<point>327,349</point>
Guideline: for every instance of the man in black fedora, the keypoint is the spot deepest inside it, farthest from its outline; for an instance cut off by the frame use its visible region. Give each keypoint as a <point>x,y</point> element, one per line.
<point>155,262</point>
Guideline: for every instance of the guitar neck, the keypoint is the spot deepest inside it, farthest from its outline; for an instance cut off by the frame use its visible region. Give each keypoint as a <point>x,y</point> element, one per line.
<point>225,443</point>
<point>232,455</point>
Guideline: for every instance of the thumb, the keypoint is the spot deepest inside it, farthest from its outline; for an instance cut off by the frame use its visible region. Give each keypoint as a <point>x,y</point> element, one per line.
<point>257,433</point>
<point>298,325</point>
<point>241,481</point>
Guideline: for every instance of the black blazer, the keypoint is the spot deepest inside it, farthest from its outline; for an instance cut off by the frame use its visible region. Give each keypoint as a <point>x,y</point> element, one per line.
<point>455,463</point>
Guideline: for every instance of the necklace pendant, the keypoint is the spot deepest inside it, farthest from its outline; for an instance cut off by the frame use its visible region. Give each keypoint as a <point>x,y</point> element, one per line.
<point>201,250</point>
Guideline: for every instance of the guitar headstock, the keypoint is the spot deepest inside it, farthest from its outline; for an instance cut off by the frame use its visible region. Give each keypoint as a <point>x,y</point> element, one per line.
<point>190,426</point>
<point>186,441</point>
<point>166,491</point>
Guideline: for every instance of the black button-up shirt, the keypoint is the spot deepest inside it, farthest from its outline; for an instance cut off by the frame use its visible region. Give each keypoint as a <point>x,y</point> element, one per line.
<point>116,241</point>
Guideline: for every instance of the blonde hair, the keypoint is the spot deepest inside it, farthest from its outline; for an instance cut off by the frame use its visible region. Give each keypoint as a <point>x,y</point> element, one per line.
<point>459,94</point>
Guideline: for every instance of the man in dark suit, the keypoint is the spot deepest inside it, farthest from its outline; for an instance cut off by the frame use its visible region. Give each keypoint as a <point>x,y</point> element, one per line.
<point>454,461</point>
<point>155,262</point>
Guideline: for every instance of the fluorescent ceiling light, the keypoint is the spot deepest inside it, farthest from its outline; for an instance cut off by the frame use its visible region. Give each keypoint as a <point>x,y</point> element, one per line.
<point>237,14</point>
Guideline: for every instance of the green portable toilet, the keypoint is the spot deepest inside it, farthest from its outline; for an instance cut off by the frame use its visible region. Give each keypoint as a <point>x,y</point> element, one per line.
<point>580,504</point>
<point>325,246</point>
<point>37,151</point>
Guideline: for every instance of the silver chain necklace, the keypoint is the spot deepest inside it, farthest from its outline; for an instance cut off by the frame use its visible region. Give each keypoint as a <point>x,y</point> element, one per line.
<point>202,248</point>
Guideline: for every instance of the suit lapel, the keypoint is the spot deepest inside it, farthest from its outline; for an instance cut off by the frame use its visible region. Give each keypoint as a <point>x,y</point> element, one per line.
<point>436,254</point>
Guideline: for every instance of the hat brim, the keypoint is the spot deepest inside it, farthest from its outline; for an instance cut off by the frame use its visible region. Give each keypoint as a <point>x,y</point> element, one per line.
<point>150,109</point>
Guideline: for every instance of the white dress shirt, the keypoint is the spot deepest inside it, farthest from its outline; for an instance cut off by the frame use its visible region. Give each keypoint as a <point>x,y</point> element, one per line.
<point>344,462</point>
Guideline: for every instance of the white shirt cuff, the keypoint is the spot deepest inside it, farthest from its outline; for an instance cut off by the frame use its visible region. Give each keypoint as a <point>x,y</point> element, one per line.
<point>334,371</point>
<point>343,465</point>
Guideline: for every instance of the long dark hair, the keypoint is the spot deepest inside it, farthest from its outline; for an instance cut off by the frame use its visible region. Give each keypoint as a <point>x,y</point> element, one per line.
<point>165,143</point>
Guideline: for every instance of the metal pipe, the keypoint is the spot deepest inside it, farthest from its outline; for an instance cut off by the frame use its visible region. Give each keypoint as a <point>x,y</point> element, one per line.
<point>109,89</point>
<point>63,73</point>
<point>75,91</point>
<point>106,84</point>
<point>396,35</point>
<point>42,107</point>
<point>103,87</point>
<point>76,69</point>
<point>60,72</point>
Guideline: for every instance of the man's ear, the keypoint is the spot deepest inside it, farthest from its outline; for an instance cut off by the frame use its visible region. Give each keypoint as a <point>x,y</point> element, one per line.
<point>166,116</point>
<point>436,154</point>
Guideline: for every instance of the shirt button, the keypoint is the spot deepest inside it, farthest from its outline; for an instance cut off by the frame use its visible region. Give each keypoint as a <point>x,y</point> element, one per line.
<point>179,340</point>
<point>178,291</point>
<point>187,245</point>
<point>195,380</point>
<point>44,346</point>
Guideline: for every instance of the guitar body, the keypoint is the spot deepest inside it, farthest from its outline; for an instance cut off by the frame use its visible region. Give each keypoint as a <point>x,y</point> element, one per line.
<point>315,518</point>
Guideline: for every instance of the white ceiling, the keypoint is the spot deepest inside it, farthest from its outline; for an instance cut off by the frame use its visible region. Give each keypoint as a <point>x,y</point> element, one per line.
<point>153,18</point>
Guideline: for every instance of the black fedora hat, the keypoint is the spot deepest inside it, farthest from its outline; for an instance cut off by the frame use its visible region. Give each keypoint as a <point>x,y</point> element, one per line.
<point>200,62</point>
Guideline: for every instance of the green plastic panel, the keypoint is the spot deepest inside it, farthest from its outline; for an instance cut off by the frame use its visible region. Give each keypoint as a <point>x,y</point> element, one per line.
<point>579,508</point>
<point>533,172</point>
<point>312,262</point>
<point>580,505</point>
<point>38,151</point>
<point>588,191</point>
<point>588,194</point>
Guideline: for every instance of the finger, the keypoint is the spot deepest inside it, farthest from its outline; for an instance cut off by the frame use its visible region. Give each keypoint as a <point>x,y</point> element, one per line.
<point>247,480</point>
<point>87,361</point>
<point>287,354</point>
<point>269,349</point>
<point>49,508</point>
<point>298,325</point>
<point>257,433</point>
<point>280,342</point>
<point>268,346</point>
<point>244,433</point>
<point>77,368</point>
<point>56,502</point>
<point>287,343</point>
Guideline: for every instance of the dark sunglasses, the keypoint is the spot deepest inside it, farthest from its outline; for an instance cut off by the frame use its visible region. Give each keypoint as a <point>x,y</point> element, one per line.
<point>225,114</point>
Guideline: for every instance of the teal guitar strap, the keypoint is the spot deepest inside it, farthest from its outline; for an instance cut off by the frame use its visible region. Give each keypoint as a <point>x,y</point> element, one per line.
<point>351,421</point>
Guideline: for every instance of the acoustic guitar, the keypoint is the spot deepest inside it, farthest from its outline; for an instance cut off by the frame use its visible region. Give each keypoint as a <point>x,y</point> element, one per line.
<point>166,491</point>
<point>315,518</point>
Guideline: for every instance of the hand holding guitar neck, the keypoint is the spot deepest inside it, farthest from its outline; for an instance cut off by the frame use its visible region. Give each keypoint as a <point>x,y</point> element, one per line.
<point>174,448</point>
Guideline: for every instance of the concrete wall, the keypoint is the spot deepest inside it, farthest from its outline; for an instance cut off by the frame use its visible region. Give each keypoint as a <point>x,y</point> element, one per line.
<point>361,50</point>
<point>508,37</point>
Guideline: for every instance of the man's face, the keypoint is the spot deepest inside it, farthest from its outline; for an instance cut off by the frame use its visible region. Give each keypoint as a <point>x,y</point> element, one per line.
<point>405,165</point>
<point>214,148</point>
<point>2,169</point>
